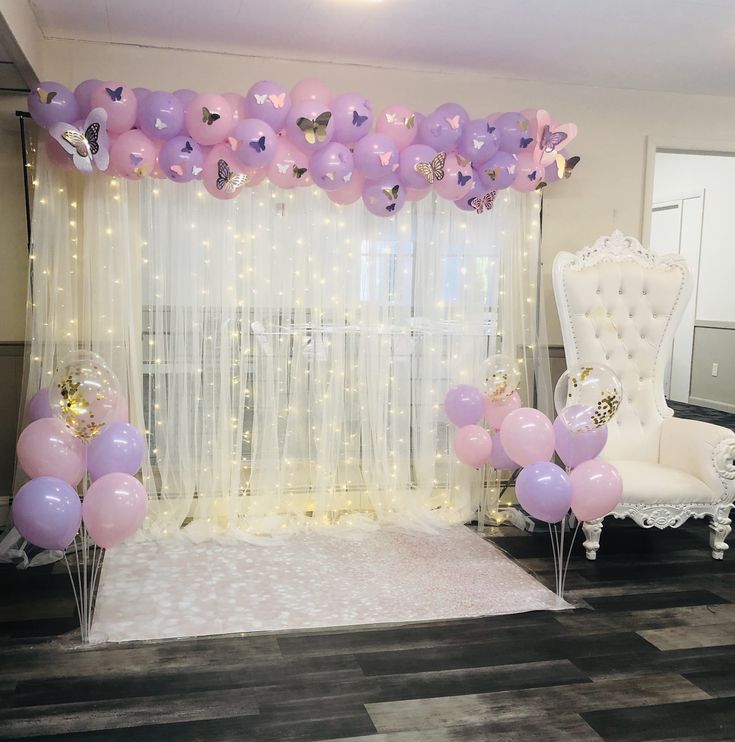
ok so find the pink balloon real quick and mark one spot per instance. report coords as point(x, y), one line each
point(473, 445)
point(57, 154)
point(286, 165)
point(114, 508)
point(157, 172)
point(398, 123)
point(208, 118)
point(597, 488)
point(458, 178)
point(46, 448)
point(269, 102)
point(527, 436)
point(120, 413)
point(528, 174)
point(222, 173)
point(133, 155)
point(349, 192)
point(496, 410)
point(310, 90)
point(120, 103)
point(416, 194)
point(237, 106)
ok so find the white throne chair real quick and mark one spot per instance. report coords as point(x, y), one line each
point(619, 304)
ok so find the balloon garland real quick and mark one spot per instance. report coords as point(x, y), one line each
point(302, 137)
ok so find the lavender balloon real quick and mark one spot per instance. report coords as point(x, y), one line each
point(384, 197)
point(331, 167)
point(269, 102)
point(141, 93)
point(181, 159)
point(450, 110)
point(83, 93)
point(51, 102)
point(440, 131)
point(39, 406)
point(513, 132)
point(409, 158)
point(464, 405)
point(479, 140)
point(353, 117)
point(120, 448)
point(499, 171)
point(478, 190)
point(544, 491)
point(47, 512)
point(255, 143)
point(160, 115)
point(375, 155)
point(185, 96)
point(499, 459)
point(576, 447)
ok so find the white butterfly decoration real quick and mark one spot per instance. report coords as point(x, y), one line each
point(282, 168)
point(89, 147)
point(260, 99)
point(160, 124)
point(477, 143)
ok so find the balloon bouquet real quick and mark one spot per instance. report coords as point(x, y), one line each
point(78, 428)
point(524, 440)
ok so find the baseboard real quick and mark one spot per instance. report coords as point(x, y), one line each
point(712, 404)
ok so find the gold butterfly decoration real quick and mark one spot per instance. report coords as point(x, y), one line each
point(391, 193)
point(228, 180)
point(315, 130)
point(410, 121)
point(461, 161)
point(565, 167)
point(433, 170)
point(523, 124)
point(46, 96)
point(493, 173)
point(298, 172)
point(85, 144)
point(208, 117)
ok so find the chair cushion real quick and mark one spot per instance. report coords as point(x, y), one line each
point(652, 483)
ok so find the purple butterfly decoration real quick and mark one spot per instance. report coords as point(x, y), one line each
point(490, 129)
point(390, 207)
point(550, 140)
point(525, 141)
point(135, 160)
point(258, 144)
point(462, 179)
point(358, 120)
point(115, 94)
point(87, 146)
point(187, 147)
point(532, 176)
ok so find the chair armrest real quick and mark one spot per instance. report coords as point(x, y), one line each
point(703, 450)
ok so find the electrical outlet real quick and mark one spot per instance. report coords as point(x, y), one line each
point(715, 369)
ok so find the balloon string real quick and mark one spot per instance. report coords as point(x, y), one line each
point(73, 587)
point(553, 549)
point(569, 555)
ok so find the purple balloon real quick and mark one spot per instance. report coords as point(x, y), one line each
point(39, 406)
point(160, 115)
point(353, 117)
point(83, 93)
point(141, 93)
point(120, 448)
point(51, 102)
point(479, 140)
point(464, 405)
point(269, 102)
point(499, 459)
point(181, 159)
point(331, 167)
point(575, 448)
point(47, 512)
point(409, 158)
point(499, 171)
point(375, 155)
point(449, 110)
point(437, 130)
point(256, 143)
point(185, 96)
point(544, 491)
point(512, 129)
point(384, 197)
point(477, 191)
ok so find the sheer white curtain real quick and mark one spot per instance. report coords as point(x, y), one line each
point(287, 357)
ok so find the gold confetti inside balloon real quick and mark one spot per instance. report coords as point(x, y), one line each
point(502, 376)
point(84, 393)
point(587, 396)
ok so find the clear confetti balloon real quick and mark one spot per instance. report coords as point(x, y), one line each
point(587, 396)
point(502, 376)
point(84, 394)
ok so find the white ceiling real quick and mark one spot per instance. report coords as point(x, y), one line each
point(672, 45)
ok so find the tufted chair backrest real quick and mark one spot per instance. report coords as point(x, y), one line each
point(619, 304)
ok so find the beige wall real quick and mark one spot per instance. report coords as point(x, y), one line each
point(606, 191)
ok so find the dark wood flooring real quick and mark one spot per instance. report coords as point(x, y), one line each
point(647, 654)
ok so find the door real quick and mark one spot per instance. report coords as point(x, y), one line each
point(676, 227)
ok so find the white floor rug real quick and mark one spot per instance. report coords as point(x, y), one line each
point(165, 590)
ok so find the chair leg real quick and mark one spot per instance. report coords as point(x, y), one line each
point(592, 531)
point(719, 530)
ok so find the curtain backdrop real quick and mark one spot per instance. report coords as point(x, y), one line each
point(286, 357)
